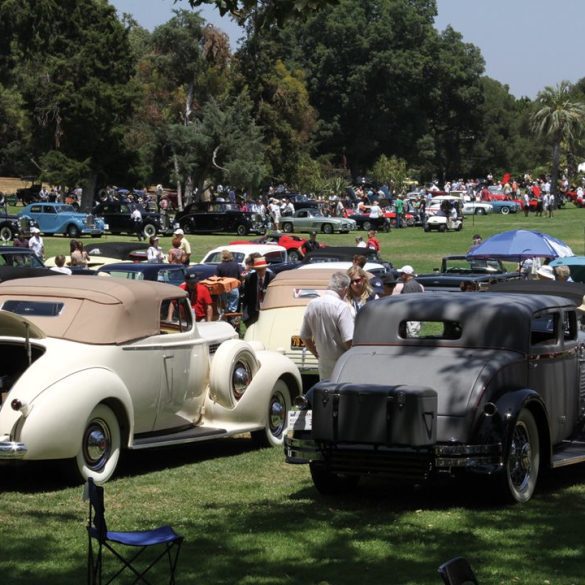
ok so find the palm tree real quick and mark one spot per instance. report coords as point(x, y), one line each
point(559, 117)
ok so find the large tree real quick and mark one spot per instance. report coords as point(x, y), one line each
point(558, 117)
point(72, 66)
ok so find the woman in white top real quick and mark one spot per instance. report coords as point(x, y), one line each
point(154, 254)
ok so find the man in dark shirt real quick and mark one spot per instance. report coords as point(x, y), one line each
point(311, 244)
point(254, 290)
point(228, 267)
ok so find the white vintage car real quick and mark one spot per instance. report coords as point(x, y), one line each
point(92, 366)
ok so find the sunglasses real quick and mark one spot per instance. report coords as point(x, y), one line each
point(357, 280)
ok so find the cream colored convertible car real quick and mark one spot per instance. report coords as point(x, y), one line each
point(92, 366)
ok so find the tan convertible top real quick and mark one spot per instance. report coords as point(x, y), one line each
point(95, 310)
point(292, 288)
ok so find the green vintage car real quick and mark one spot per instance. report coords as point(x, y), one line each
point(308, 220)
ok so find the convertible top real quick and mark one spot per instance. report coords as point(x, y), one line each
point(95, 310)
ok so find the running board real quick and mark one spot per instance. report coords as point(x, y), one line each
point(190, 435)
point(568, 453)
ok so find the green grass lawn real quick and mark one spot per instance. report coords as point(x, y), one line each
point(249, 518)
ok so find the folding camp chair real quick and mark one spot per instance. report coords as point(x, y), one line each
point(457, 571)
point(165, 537)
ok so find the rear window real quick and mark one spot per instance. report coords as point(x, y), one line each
point(34, 308)
point(430, 330)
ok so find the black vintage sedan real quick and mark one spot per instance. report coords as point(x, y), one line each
point(491, 384)
point(204, 217)
point(117, 216)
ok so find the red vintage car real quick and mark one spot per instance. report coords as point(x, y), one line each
point(293, 244)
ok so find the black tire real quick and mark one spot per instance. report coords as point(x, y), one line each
point(242, 230)
point(505, 210)
point(427, 228)
point(328, 483)
point(294, 256)
point(149, 230)
point(277, 417)
point(6, 233)
point(327, 228)
point(480, 211)
point(522, 460)
point(460, 227)
point(100, 446)
point(72, 231)
point(287, 227)
point(442, 228)
point(367, 226)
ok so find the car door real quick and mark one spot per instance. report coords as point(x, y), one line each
point(48, 219)
point(549, 370)
point(184, 367)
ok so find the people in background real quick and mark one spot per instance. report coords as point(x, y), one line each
point(78, 255)
point(183, 244)
point(228, 267)
point(373, 241)
point(175, 255)
point(254, 289)
point(563, 273)
point(199, 297)
point(311, 244)
point(154, 254)
point(60, 265)
point(360, 290)
point(36, 243)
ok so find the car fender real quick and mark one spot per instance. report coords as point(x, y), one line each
point(55, 421)
point(499, 417)
point(251, 409)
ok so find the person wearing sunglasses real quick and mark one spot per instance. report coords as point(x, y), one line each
point(360, 290)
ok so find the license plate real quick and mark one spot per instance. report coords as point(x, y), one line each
point(300, 420)
point(296, 342)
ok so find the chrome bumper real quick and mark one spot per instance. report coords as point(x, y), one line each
point(12, 450)
point(443, 457)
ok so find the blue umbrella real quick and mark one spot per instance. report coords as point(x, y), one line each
point(520, 244)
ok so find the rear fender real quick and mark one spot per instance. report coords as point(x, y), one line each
point(498, 427)
point(56, 419)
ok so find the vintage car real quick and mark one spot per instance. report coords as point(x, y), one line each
point(204, 217)
point(476, 208)
point(365, 222)
point(457, 270)
point(501, 393)
point(93, 366)
point(61, 218)
point(103, 253)
point(12, 226)
point(21, 263)
point(505, 206)
point(273, 253)
point(281, 313)
point(311, 219)
point(159, 272)
point(118, 217)
point(293, 244)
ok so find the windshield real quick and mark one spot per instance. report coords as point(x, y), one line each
point(25, 260)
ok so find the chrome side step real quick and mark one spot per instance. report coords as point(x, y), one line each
point(190, 435)
point(568, 453)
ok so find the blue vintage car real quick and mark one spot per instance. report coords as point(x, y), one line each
point(505, 206)
point(60, 218)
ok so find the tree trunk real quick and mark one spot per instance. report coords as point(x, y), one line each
point(554, 178)
point(88, 193)
point(179, 185)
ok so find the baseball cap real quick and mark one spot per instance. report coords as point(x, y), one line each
point(407, 269)
point(35, 230)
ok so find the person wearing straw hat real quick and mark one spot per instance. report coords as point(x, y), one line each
point(254, 289)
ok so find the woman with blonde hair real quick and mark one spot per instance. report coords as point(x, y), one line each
point(360, 290)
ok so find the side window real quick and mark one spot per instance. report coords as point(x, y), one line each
point(544, 329)
point(176, 316)
point(570, 326)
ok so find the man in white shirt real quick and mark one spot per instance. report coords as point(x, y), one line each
point(36, 243)
point(327, 328)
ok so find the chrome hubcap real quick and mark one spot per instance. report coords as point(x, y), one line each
point(520, 459)
point(277, 414)
point(97, 444)
point(240, 379)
